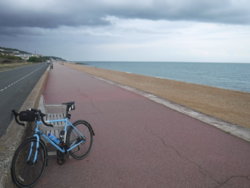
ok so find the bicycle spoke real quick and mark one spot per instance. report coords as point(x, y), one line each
point(81, 136)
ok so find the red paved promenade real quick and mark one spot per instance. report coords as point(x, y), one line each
point(140, 143)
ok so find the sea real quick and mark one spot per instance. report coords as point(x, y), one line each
point(232, 76)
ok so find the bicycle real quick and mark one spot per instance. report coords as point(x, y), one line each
point(31, 156)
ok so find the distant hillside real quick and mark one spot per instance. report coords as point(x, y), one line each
point(12, 55)
point(12, 51)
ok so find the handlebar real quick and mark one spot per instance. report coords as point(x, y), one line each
point(42, 115)
point(29, 116)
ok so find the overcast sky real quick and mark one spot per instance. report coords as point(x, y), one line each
point(135, 30)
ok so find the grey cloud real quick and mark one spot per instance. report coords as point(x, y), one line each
point(222, 11)
point(52, 14)
point(48, 19)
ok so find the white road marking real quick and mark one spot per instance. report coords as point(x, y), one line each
point(19, 80)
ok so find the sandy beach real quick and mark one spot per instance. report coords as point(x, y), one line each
point(230, 106)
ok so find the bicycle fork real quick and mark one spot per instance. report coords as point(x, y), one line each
point(33, 151)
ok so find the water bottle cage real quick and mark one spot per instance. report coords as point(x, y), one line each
point(54, 139)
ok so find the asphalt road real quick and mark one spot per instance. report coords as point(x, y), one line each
point(15, 86)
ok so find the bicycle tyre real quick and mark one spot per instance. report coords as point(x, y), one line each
point(83, 149)
point(26, 173)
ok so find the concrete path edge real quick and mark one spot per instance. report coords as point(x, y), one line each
point(15, 133)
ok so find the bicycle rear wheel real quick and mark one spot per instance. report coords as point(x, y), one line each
point(81, 131)
point(25, 169)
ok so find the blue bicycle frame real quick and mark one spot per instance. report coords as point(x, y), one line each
point(38, 133)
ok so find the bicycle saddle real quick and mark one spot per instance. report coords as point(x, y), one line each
point(70, 106)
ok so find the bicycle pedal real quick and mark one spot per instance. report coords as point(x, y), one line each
point(60, 161)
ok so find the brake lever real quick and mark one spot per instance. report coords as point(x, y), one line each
point(42, 115)
point(12, 115)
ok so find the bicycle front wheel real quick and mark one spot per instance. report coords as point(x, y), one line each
point(82, 133)
point(28, 163)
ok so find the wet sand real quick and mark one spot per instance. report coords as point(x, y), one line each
point(230, 106)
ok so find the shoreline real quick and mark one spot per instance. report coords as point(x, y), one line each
point(163, 78)
point(209, 74)
point(228, 105)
